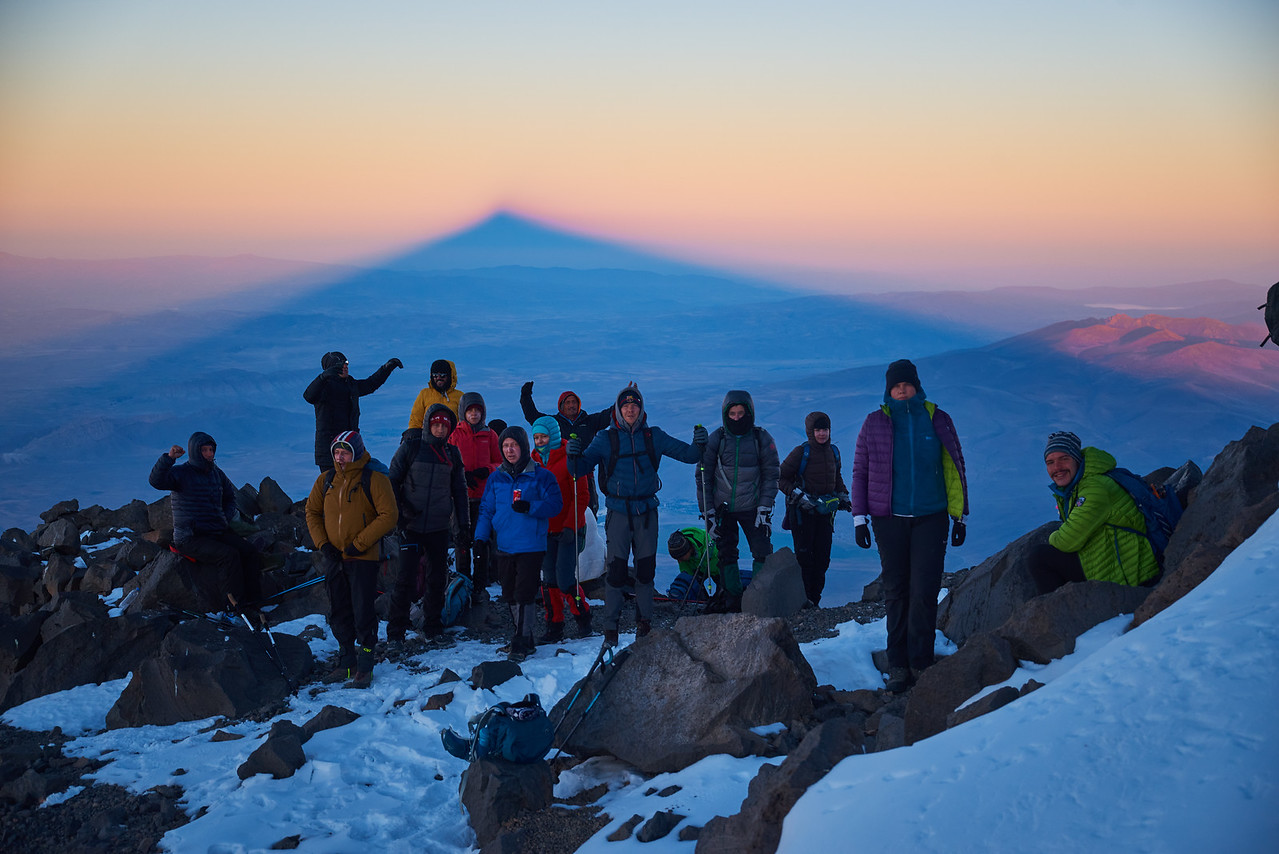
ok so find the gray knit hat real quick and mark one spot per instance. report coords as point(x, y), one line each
point(1065, 442)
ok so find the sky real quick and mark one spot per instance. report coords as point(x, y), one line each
point(1161, 739)
point(975, 144)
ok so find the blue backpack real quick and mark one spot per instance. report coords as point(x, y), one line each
point(1159, 506)
point(457, 598)
point(516, 732)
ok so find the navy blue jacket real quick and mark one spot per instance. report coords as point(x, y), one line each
point(202, 496)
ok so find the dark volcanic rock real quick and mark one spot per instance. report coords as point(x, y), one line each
point(1045, 628)
point(778, 589)
point(988, 593)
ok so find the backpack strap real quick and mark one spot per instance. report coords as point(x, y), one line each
point(366, 481)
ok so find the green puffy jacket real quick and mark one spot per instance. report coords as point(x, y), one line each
point(1093, 517)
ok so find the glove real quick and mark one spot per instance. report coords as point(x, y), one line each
point(804, 500)
point(463, 540)
point(520, 506)
point(393, 364)
point(574, 447)
point(351, 551)
point(958, 533)
point(845, 503)
point(331, 553)
point(764, 518)
point(480, 474)
point(471, 480)
point(335, 371)
point(699, 435)
point(862, 533)
point(526, 390)
point(481, 550)
point(712, 525)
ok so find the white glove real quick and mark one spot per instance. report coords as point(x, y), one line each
point(764, 518)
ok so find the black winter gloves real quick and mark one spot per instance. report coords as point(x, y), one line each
point(393, 364)
point(699, 435)
point(520, 505)
point(862, 533)
point(480, 474)
point(352, 551)
point(845, 503)
point(958, 533)
point(331, 553)
point(462, 540)
point(526, 390)
point(574, 447)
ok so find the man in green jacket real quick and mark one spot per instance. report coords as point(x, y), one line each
point(1102, 533)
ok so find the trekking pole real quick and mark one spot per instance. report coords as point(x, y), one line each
point(614, 664)
point(706, 517)
point(599, 657)
point(577, 521)
point(310, 582)
point(271, 650)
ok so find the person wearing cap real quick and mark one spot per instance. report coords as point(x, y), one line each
point(348, 514)
point(203, 503)
point(908, 476)
point(737, 487)
point(573, 421)
point(426, 474)
point(519, 500)
point(1102, 533)
point(812, 480)
point(441, 389)
point(336, 394)
point(565, 537)
point(630, 451)
point(481, 456)
point(696, 561)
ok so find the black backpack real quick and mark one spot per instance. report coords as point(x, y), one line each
point(615, 453)
point(1271, 306)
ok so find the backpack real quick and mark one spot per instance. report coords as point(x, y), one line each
point(1159, 506)
point(615, 453)
point(457, 598)
point(1271, 305)
point(803, 461)
point(516, 732)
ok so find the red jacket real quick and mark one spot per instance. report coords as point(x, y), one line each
point(479, 449)
point(558, 466)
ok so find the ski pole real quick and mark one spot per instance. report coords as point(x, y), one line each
point(599, 657)
point(614, 664)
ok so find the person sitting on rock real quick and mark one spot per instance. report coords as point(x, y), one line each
point(441, 389)
point(203, 503)
point(349, 511)
point(1102, 533)
point(336, 394)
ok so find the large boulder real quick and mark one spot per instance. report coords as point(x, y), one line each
point(132, 516)
point(494, 792)
point(87, 653)
point(985, 660)
point(18, 588)
point(778, 589)
point(987, 594)
point(19, 640)
point(1045, 628)
point(272, 499)
point(61, 535)
point(1238, 492)
point(171, 581)
point(679, 695)
point(757, 827)
point(204, 670)
point(71, 609)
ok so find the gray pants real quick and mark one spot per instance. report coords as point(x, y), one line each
point(628, 535)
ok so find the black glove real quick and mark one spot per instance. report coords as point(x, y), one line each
point(958, 532)
point(699, 435)
point(463, 540)
point(520, 505)
point(804, 500)
point(862, 533)
point(471, 481)
point(480, 474)
point(526, 390)
point(574, 447)
point(480, 548)
point(393, 364)
point(335, 371)
point(331, 553)
point(845, 503)
point(352, 551)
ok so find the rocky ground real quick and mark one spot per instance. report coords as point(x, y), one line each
point(107, 818)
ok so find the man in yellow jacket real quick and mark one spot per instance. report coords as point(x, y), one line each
point(350, 508)
point(442, 389)
point(1102, 533)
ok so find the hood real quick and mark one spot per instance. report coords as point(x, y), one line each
point(353, 440)
point(473, 398)
point(441, 365)
point(517, 433)
point(565, 395)
point(331, 359)
point(810, 421)
point(551, 427)
point(733, 398)
point(631, 390)
point(197, 441)
point(437, 409)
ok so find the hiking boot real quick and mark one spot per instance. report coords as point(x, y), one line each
point(583, 625)
point(361, 679)
point(610, 637)
point(455, 745)
point(522, 647)
point(643, 627)
point(438, 640)
point(341, 673)
point(898, 679)
point(504, 649)
point(554, 633)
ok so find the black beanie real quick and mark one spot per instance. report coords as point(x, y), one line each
point(821, 421)
point(678, 545)
point(1065, 442)
point(332, 359)
point(902, 371)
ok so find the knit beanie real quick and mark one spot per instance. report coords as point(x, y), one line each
point(630, 394)
point(821, 421)
point(1065, 442)
point(902, 371)
point(332, 359)
point(679, 546)
point(351, 441)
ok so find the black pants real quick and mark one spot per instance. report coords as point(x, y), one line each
point(352, 586)
point(912, 552)
point(519, 575)
point(1051, 568)
point(479, 575)
point(428, 554)
point(233, 558)
point(812, 534)
point(757, 538)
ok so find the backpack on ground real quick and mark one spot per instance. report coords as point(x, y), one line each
point(516, 732)
point(457, 598)
point(1271, 306)
point(1158, 504)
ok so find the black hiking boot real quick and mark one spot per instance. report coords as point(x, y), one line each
point(583, 625)
point(610, 637)
point(554, 633)
point(643, 627)
point(899, 679)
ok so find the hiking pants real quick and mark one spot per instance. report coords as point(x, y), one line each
point(230, 557)
point(1051, 568)
point(812, 534)
point(726, 537)
point(912, 552)
point(427, 554)
point(559, 567)
point(626, 535)
point(519, 575)
point(352, 586)
point(479, 577)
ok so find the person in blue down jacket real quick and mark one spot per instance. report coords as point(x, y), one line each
point(908, 476)
point(203, 502)
point(629, 451)
point(519, 500)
